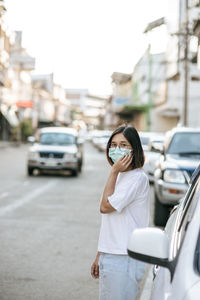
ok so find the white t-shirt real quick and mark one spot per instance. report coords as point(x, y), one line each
point(131, 201)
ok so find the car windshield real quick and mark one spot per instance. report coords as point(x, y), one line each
point(185, 143)
point(56, 138)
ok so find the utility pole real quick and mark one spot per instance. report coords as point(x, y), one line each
point(185, 103)
point(149, 89)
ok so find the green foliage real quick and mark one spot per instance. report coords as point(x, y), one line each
point(14, 133)
point(26, 129)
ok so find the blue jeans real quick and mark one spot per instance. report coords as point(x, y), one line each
point(119, 277)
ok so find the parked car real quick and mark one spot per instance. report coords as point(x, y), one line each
point(100, 139)
point(180, 156)
point(175, 252)
point(55, 148)
point(145, 138)
point(152, 154)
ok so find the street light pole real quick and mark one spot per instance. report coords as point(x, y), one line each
point(185, 103)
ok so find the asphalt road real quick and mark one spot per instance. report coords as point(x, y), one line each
point(49, 229)
point(49, 226)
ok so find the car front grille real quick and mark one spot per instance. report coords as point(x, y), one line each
point(51, 154)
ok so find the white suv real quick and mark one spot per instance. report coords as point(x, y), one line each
point(55, 148)
point(178, 160)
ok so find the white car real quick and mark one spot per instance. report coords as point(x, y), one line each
point(100, 139)
point(55, 148)
point(152, 154)
point(145, 138)
point(175, 251)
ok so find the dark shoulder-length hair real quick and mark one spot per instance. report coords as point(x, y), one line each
point(131, 134)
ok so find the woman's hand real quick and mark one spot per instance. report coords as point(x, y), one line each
point(95, 268)
point(123, 164)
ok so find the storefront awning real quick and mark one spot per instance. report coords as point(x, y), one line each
point(24, 104)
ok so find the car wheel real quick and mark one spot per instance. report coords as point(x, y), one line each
point(161, 212)
point(30, 171)
point(80, 166)
point(74, 173)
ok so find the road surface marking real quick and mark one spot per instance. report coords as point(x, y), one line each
point(27, 198)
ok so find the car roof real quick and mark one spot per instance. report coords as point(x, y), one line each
point(185, 129)
point(58, 130)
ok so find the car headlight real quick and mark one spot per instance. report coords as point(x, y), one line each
point(70, 155)
point(33, 155)
point(174, 176)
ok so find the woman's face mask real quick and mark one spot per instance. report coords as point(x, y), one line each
point(117, 153)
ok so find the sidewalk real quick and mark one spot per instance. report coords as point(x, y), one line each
point(6, 144)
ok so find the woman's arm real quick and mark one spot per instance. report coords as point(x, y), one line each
point(105, 206)
point(120, 166)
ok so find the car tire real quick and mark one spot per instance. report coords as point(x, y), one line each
point(161, 212)
point(30, 171)
point(74, 173)
point(80, 166)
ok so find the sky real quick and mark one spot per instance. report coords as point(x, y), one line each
point(84, 41)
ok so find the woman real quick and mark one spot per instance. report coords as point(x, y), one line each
point(124, 207)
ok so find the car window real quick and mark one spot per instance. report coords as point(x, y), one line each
point(189, 206)
point(55, 138)
point(185, 143)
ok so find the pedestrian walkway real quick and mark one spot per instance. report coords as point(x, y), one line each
point(6, 144)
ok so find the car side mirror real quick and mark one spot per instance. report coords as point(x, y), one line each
point(31, 139)
point(150, 245)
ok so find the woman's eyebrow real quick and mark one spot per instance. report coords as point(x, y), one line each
point(120, 141)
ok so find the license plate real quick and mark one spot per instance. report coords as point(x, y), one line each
point(51, 162)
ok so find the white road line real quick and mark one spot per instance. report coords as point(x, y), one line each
point(27, 198)
point(3, 195)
